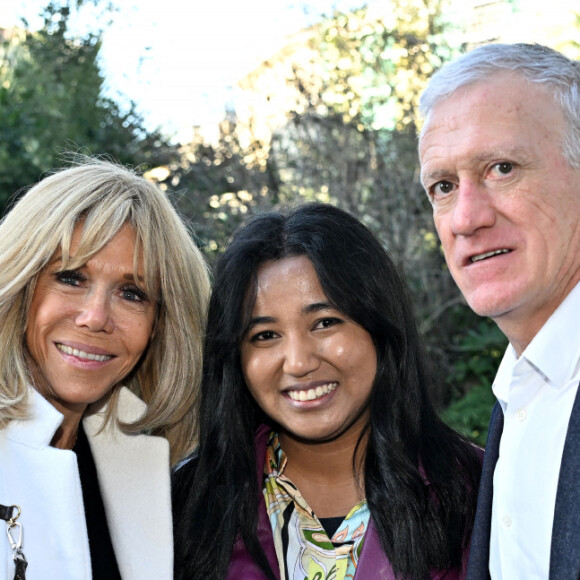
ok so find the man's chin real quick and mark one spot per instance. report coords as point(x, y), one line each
point(489, 306)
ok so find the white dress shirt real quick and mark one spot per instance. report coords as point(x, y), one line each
point(537, 392)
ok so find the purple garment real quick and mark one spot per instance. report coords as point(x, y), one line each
point(373, 563)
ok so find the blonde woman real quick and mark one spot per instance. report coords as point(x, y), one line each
point(102, 309)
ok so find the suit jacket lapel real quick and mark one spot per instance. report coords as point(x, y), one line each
point(478, 568)
point(565, 549)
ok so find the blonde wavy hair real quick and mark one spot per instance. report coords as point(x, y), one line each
point(104, 197)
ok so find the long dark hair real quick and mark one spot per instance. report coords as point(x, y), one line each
point(421, 527)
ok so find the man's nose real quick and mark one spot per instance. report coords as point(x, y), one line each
point(472, 210)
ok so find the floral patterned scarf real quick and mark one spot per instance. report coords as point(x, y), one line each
point(304, 550)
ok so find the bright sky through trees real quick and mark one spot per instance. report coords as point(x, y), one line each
point(180, 61)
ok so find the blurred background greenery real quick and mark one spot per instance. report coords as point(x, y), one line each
point(331, 117)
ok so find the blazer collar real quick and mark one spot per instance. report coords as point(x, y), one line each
point(134, 474)
point(38, 433)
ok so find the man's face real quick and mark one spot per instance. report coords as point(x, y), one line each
point(506, 203)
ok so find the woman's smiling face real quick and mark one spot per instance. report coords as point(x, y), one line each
point(309, 367)
point(87, 328)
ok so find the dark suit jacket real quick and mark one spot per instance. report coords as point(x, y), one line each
point(565, 548)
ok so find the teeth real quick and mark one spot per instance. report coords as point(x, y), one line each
point(488, 255)
point(83, 354)
point(312, 394)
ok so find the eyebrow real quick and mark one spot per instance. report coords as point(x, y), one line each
point(436, 175)
point(257, 320)
point(129, 276)
point(498, 154)
point(317, 307)
point(309, 309)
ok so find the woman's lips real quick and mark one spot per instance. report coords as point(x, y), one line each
point(82, 354)
point(313, 393)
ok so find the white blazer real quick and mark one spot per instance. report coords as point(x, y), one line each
point(134, 479)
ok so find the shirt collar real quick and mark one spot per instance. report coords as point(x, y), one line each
point(553, 352)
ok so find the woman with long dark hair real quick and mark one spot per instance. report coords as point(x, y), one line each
point(320, 454)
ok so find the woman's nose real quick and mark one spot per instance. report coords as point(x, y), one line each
point(301, 356)
point(95, 312)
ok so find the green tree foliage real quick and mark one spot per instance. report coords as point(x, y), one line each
point(478, 353)
point(217, 186)
point(51, 101)
point(349, 136)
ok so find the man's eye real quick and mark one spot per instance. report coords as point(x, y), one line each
point(504, 168)
point(442, 188)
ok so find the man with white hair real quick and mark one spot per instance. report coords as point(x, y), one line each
point(500, 161)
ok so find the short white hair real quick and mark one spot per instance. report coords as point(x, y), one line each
point(536, 63)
